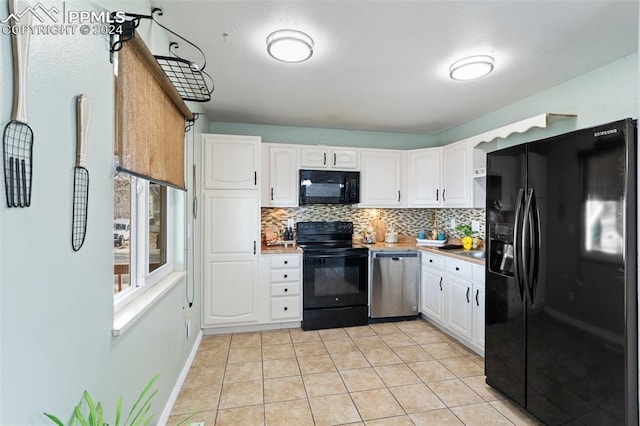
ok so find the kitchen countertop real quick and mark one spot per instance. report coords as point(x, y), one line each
point(280, 249)
point(404, 243)
point(410, 244)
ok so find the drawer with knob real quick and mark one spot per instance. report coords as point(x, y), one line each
point(292, 289)
point(459, 268)
point(285, 275)
point(285, 308)
point(285, 261)
point(432, 261)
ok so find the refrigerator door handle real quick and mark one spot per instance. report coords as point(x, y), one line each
point(516, 249)
point(527, 240)
point(536, 241)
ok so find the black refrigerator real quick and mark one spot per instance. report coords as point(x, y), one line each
point(561, 293)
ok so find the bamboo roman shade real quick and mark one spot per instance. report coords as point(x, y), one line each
point(150, 118)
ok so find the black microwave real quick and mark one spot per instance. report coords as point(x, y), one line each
point(329, 187)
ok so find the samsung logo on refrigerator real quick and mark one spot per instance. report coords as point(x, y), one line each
point(605, 132)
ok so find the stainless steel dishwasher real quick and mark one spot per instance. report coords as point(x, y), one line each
point(395, 283)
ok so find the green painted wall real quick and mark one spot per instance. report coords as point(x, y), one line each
point(605, 94)
point(316, 136)
point(56, 305)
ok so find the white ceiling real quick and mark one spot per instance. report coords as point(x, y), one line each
point(383, 65)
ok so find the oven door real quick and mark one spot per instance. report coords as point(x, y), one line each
point(333, 280)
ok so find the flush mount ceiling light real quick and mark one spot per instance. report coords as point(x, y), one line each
point(289, 46)
point(471, 67)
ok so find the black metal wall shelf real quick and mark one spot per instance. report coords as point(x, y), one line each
point(187, 77)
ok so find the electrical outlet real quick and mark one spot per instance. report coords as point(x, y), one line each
point(453, 223)
point(475, 225)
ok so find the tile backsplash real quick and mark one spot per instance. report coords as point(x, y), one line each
point(404, 221)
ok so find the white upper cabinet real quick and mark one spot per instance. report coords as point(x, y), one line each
point(343, 158)
point(425, 173)
point(231, 162)
point(381, 183)
point(323, 157)
point(280, 171)
point(456, 176)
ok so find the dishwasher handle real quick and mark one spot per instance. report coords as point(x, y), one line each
point(396, 255)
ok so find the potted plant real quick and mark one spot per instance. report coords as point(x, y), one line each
point(139, 415)
point(467, 240)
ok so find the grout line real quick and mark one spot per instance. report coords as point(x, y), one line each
point(351, 339)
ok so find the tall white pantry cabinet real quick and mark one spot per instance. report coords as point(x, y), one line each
point(231, 228)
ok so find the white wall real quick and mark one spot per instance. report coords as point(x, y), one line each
point(56, 305)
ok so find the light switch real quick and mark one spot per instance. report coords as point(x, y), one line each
point(475, 225)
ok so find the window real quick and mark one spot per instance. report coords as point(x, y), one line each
point(142, 234)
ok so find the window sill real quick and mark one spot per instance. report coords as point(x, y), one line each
point(132, 311)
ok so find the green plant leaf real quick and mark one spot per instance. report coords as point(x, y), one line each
point(99, 415)
point(54, 419)
point(92, 409)
point(186, 419)
point(139, 417)
point(118, 411)
point(79, 416)
point(465, 229)
point(140, 398)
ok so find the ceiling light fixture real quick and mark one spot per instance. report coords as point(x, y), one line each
point(471, 67)
point(289, 46)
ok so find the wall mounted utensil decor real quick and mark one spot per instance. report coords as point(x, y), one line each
point(81, 174)
point(17, 149)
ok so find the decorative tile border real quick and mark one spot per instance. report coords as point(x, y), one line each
point(404, 221)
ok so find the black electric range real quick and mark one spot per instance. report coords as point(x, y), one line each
point(335, 276)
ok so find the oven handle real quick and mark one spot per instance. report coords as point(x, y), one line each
point(336, 255)
point(344, 308)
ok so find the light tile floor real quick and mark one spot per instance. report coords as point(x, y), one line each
point(398, 373)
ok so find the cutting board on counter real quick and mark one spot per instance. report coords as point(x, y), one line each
point(380, 229)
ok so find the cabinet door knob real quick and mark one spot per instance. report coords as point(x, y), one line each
point(286, 262)
point(477, 294)
point(430, 260)
point(285, 308)
point(285, 275)
point(467, 294)
point(286, 290)
point(440, 283)
point(457, 269)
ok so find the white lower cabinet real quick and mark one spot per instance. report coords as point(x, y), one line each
point(432, 291)
point(281, 276)
point(478, 306)
point(452, 297)
point(458, 311)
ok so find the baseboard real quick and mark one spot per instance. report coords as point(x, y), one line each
point(164, 417)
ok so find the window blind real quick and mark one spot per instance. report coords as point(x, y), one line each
point(150, 118)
